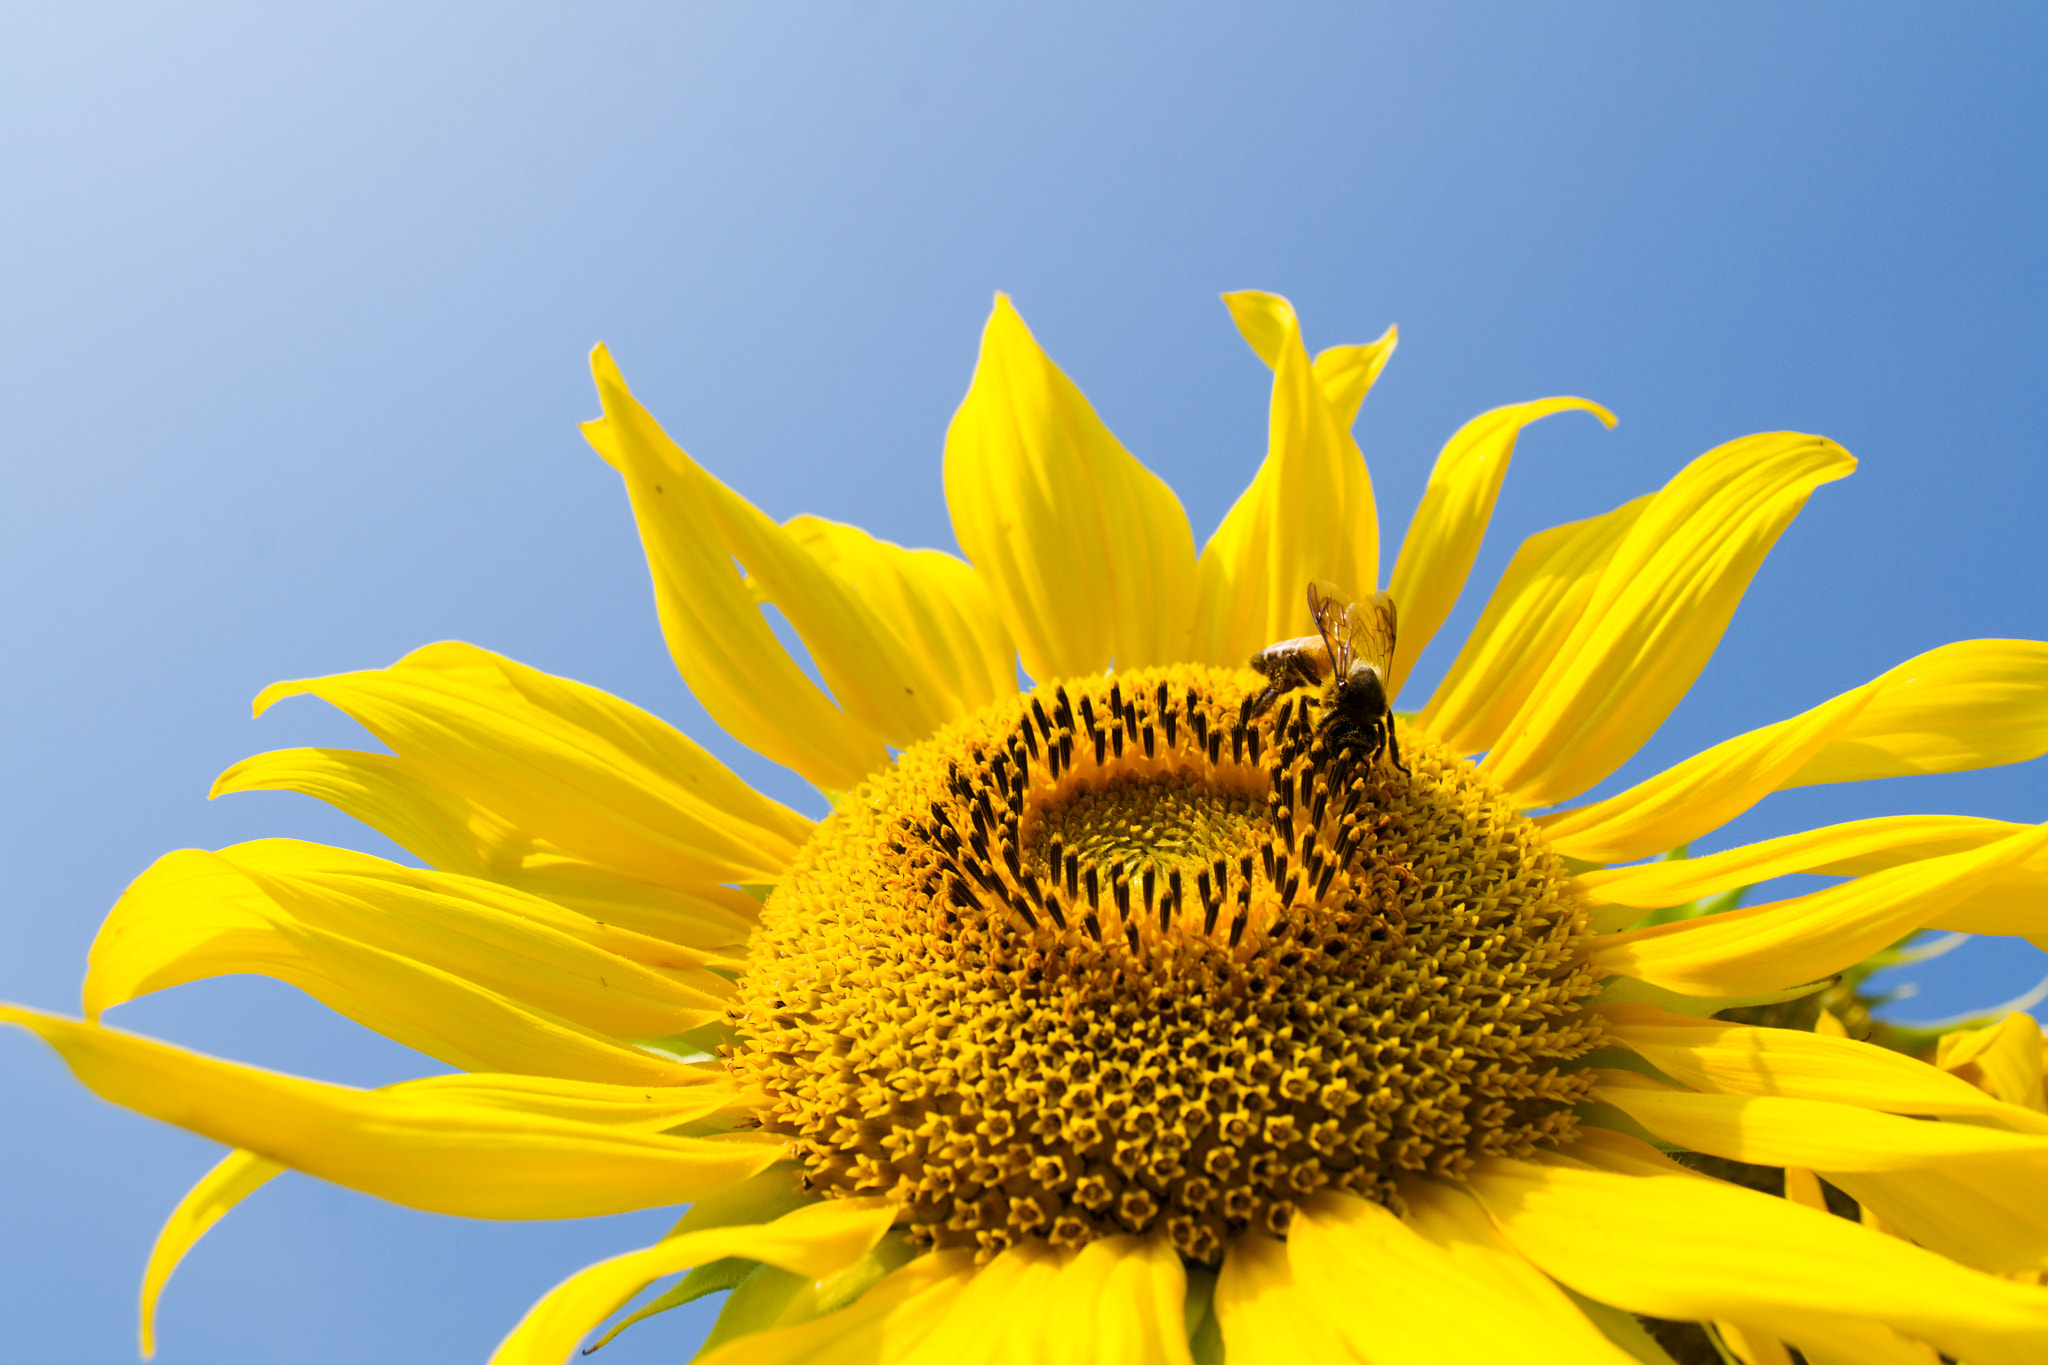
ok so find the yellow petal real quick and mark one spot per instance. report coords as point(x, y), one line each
point(1536, 606)
point(1966, 705)
point(1973, 704)
point(1844, 850)
point(1984, 1214)
point(693, 528)
point(1856, 1343)
point(424, 1150)
point(885, 1326)
point(937, 606)
point(448, 830)
point(1680, 1247)
point(1653, 619)
point(1786, 943)
point(1347, 373)
point(813, 1241)
point(475, 974)
point(1703, 793)
point(1268, 1315)
point(1086, 553)
point(1308, 514)
point(1753, 1346)
point(570, 768)
point(238, 1175)
point(699, 1094)
point(1118, 1298)
point(1444, 535)
point(1443, 1289)
point(1772, 1130)
point(1712, 1054)
point(2003, 1059)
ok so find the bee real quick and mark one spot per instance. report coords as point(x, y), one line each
point(1349, 657)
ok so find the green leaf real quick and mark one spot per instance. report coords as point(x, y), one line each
point(704, 1279)
point(761, 1199)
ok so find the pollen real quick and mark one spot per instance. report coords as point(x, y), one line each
point(1122, 955)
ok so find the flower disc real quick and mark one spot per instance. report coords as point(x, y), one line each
point(1123, 955)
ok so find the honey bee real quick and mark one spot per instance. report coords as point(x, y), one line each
point(1349, 657)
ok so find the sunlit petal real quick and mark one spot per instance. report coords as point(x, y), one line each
point(1086, 553)
point(428, 1151)
point(1658, 610)
point(1444, 535)
point(693, 528)
point(1308, 515)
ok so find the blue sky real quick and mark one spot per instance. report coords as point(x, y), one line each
point(294, 308)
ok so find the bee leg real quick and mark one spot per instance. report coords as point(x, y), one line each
point(1394, 745)
point(1264, 701)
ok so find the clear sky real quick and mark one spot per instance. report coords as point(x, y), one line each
point(294, 308)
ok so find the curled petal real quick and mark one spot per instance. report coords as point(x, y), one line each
point(1443, 538)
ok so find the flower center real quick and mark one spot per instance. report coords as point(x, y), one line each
point(1124, 955)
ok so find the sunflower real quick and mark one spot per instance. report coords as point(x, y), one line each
point(1152, 1011)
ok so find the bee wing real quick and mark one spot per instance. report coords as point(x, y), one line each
point(1332, 613)
point(1372, 632)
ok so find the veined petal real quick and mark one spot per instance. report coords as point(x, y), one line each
point(1701, 794)
point(1973, 704)
point(424, 1150)
point(1845, 850)
point(238, 1175)
point(1967, 705)
point(1774, 1130)
point(814, 1241)
point(938, 607)
point(1712, 1054)
point(1268, 1315)
point(476, 974)
point(1442, 1289)
point(1308, 514)
point(693, 528)
point(1538, 603)
point(570, 768)
point(884, 1326)
point(1118, 1298)
point(1677, 1246)
point(448, 830)
point(1653, 619)
point(698, 1093)
point(1764, 947)
point(1086, 552)
point(1443, 538)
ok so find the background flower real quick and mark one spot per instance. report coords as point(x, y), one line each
point(293, 328)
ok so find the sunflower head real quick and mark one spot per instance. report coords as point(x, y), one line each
point(1122, 955)
point(1188, 1005)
